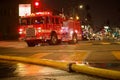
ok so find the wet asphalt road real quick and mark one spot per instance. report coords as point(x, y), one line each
point(20, 71)
point(83, 52)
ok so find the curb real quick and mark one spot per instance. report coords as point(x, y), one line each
point(110, 74)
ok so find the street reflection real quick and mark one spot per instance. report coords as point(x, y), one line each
point(7, 69)
point(110, 66)
point(11, 69)
point(27, 69)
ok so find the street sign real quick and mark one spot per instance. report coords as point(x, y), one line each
point(24, 9)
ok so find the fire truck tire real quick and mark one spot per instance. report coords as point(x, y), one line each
point(74, 39)
point(54, 39)
point(30, 43)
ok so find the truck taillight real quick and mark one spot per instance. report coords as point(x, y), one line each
point(20, 31)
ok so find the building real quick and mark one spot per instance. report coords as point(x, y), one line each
point(9, 18)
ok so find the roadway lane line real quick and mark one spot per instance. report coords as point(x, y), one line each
point(101, 43)
point(105, 43)
point(14, 44)
point(116, 54)
point(68, 56)
point(79, 57)
point(40, 55)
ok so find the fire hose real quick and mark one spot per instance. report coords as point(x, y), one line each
point(81, 68)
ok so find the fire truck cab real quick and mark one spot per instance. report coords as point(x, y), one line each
point(44, 27)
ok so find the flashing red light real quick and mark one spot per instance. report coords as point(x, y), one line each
point(37, 4)
point(43, 13)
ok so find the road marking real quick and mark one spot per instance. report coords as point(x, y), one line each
point(68, 56)
point(40, 55)
point(78, 56)
point(86, 44)
point(101, 43)
point(105, 43)
point(14, 44)
point(116, 54)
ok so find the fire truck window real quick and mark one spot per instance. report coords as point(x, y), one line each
point(47, 19)
point(38, 20)
point(53, 20)
point(56, 20)
point(42, 20)
point(25, 21)
point(65, 24)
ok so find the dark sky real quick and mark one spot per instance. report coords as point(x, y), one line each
point(104, 10)
point(100, 10)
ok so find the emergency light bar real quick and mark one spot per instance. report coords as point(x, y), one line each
point(44, 13)
point(38, 13)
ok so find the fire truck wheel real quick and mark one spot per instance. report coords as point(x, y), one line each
point(30, 43)
point(74, 39)
point(54, 39)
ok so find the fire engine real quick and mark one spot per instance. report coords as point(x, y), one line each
point(43, 27)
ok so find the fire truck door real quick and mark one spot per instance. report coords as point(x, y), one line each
point(48, 25)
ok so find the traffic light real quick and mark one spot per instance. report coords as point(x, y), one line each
point(37, 4)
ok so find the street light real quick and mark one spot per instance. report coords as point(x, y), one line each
point(77, 18)
point(81, 6)
point(75, 9)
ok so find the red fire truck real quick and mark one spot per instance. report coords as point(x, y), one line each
point(44, 27)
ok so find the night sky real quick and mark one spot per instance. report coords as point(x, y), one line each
point(101, 11)
point(104, 10)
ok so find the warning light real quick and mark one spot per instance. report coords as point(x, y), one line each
point(37, 4)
